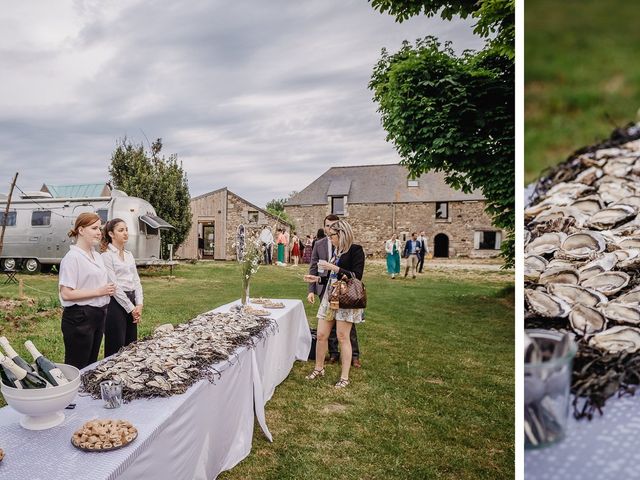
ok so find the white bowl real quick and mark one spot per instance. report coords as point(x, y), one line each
point(42, 407)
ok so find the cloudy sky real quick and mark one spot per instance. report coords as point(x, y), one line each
point(260, 97)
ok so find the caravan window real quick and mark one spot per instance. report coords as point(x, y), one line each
point(11, 219)
point(103, 213)
point(146, 229)
point(41, 218)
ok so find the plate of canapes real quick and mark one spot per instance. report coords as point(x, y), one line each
point(256, 311)
point(104, 435)
point(272, 304)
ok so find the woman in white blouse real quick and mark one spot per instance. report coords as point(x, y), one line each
point(125, 309)
point(85, 291)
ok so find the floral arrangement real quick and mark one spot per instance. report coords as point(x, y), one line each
point(249, 252)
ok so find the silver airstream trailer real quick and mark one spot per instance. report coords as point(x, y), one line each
point(37, 225)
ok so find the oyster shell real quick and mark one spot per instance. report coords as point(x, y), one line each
point(630, 298)
point(617, 339)
point(576, 294)
point(602, 264)
point(582, 244)
point(622, 313)
point(589, 205)
point(611, 216)
point(560, 275)
point(608, 283)
point(586, 320)
point(545, 243)
point(546, 305)
point(555, 213)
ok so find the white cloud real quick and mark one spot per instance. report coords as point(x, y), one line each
point(261, 97)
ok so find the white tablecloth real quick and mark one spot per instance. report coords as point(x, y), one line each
point(601, 449)
point(196, 435)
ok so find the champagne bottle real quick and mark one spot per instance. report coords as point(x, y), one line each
point(46, 368)
point(7, 377)
point(27, 379)
point(11, 353)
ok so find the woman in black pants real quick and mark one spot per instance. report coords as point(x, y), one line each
point(125, 308)
point(84, 293)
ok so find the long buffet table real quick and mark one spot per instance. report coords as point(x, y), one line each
point(195, 435)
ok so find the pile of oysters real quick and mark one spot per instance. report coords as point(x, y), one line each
point(582, 249)
point(174, 358)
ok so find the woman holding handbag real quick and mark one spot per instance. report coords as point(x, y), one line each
point(347, 261)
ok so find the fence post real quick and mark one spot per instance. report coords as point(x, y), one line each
point(21, 288)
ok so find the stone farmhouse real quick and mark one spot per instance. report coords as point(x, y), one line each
point(380, 199)
point(216, 217)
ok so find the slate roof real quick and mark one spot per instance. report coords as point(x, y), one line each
point(87, 190)
point(379, 184)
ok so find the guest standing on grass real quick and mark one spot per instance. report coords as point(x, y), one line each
point(280, 240)
point(347, 260)
point(306, 251)
point(411, 252)
point(125, 308)
point(266, 240)
point(85, 290)
point(424, 250)
point(295, 248)
point(392, 247)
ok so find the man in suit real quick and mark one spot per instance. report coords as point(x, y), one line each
point(323, 250)
point(411, 252)
point(424, 249)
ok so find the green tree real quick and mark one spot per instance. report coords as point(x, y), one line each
point(455, 114)
point(276, 208)
point(159, 180)
point(495, 17)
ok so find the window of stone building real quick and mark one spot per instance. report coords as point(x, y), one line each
point(252, 216)
point(337, 205)
point(487, 240)
point(412, 183)
point(442, 210)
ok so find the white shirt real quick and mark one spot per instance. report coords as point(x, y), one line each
point(266, 236)
point(125, 276)
point(425, 247)
point(79, 270)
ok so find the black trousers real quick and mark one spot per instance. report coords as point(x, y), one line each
point(267, 254)
point(420, 261)
point(333, 342)
point(119, 330)
point(82, 330)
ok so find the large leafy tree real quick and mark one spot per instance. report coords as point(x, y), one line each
point(159, 180)
point(453, 113)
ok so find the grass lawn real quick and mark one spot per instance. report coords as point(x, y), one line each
point(434, 399)
point(580, 70)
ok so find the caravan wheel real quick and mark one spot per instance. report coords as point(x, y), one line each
point(32, 265)
point(8, 264)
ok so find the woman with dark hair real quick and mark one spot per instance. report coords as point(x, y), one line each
point(125, 308)
point(320, 234)
point(306, 251)
point(347, 260)
point(85, 291)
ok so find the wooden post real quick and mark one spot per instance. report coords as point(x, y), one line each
point(6, 211)
point(20, 288)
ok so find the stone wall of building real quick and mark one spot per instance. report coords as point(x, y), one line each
point(239, 211)
point(374, 223)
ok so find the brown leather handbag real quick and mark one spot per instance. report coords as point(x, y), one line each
point(349, 293)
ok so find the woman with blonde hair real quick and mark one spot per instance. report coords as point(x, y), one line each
point(125, 308)
point(85, 289)
point(347, 260)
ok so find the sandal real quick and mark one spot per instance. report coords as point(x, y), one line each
point(342, 383)
point(315, 374)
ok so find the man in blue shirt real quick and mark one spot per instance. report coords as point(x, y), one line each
point(411, 251)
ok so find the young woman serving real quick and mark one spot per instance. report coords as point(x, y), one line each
point(125, 308)
point(85, 292)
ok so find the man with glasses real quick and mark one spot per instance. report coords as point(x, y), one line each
point(324, 250)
